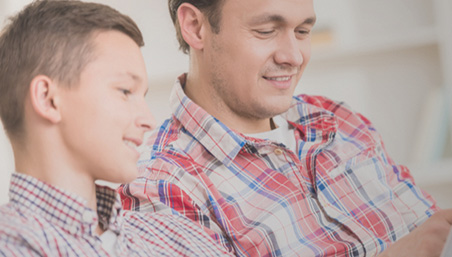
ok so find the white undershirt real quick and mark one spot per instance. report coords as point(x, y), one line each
point(108, 239)
point(282, 134)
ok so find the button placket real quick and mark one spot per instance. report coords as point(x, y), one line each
point(73, 230)
point(87, 217)
point(278, 151)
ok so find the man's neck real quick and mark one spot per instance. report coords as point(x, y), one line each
point(198, 90)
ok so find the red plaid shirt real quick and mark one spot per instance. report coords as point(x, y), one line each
point(339, 194)
point(41, 220)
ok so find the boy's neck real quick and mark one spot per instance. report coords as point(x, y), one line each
point(50, 166)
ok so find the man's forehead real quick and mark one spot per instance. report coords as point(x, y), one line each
point(260, 11)
point(277, 18)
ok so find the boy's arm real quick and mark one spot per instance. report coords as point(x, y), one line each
point(9, 249)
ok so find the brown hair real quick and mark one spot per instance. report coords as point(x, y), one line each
point(210, 8)
point(52, 38)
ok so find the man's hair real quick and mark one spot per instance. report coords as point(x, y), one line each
point(52, 38)
point(210, 8)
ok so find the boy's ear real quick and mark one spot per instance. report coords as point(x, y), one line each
point(43, 94)
point(192, 25)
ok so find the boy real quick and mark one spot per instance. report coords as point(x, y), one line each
point(72, 87)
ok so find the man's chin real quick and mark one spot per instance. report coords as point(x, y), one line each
point(280, 105)
point(274, 110)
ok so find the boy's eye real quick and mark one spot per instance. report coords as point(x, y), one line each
point(125, 91)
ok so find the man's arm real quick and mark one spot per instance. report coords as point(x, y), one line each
point(163, 187)
point(426, 240)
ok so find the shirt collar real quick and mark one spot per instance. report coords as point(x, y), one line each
point(64, 209)
point(312, 121)
point(219, 140)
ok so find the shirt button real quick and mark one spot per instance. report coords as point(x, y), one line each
point(87, 217)
point(278, 151)
point(73, 230)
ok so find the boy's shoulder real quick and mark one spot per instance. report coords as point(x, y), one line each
point(21, 230)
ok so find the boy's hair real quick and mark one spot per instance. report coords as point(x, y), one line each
point(210, 8)
point(52, 38)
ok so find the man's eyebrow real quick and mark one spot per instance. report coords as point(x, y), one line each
point(310, 21)
point(275, 18)
point(262, 19)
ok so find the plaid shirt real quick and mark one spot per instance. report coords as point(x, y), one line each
point(41, 220)
point(339, 194)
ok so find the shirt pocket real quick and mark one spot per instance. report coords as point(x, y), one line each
point(361, 188)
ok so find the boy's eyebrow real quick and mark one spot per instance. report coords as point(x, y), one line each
point(137, 79)
point(275, 18)
point(134, 77)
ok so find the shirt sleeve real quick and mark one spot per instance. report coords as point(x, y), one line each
point(168, 186)
point(12, 242)
point(171, 234)
point(415, 204)
point(8, 249)
point(382, 185)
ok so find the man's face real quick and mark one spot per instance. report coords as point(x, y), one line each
point(259, 55)
point(105, 116)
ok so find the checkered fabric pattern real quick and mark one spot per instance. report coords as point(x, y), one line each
point(42, 220)
point(339, 194)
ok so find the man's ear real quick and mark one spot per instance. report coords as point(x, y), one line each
point(192, 24)
point(43, 94)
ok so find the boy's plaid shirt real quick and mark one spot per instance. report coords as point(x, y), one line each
point(340, 194)
point(42, 220)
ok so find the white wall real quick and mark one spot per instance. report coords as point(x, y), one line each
point(6, 155)
point(163, 60)
point(6, 165)
point(383, 83)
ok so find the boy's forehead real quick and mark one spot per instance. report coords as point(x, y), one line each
point(116, 57)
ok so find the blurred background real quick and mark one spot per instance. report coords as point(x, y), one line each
point(390, 60)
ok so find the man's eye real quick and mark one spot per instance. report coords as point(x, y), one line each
point(264, 32)
point(303, 32)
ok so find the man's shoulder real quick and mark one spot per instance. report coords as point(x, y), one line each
point(346, 118)
point(169, 148)
point(324, 103)
point(167, 139)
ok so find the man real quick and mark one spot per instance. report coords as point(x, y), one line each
point(277, 175)
point(72, 87)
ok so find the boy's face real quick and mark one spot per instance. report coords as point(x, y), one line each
point(105, 116)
